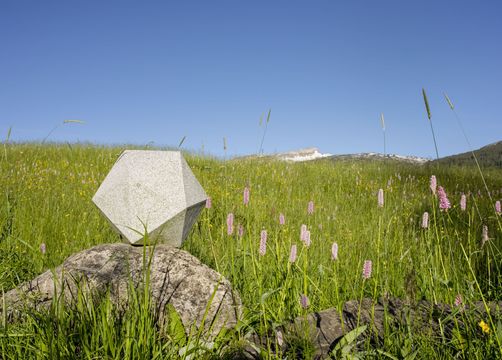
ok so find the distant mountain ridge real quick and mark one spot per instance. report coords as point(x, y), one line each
point(488, 156)
point(378, 156)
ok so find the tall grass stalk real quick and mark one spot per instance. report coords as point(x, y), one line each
point(459, 122)
point(427, 108)
point(260, 150)
point(382, 121)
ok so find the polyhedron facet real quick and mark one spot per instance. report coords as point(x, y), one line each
point(152, 192)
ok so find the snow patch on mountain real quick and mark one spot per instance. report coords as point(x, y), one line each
point(410, 159)
point(302, 155)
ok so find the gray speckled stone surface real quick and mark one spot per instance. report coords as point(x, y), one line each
point(177, 278)
point(154, 191)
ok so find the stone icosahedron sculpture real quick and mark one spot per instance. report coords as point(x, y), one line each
point(152, 192)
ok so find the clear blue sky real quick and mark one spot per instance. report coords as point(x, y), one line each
point(142, 71)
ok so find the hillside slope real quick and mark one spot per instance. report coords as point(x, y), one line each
point(488, 156)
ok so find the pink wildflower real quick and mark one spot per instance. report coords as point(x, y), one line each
point(367, 269)
point(43, 248)
point(334, 251)
point(307, 238)
point(458, 300)
point(444, 203)
point(310, 208)
point(425, 220)
point(282, 219)
point(292, 254)
point(498, 208)
point(246, 195)
point(240, 230)
point(303, 229)
point(463, 202)
point(433, 184)
point(304, 301)
point(484, 236)
point(380, 198)
point(208, 203)
point(230, 224)
point(263, 242)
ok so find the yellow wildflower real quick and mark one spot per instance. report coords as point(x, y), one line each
point(484, 326)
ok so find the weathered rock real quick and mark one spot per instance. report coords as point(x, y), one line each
point(152, 192)
point(326, 328)
point(176, 277)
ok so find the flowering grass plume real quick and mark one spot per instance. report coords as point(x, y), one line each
point(498, 208)
point(433, 184)
point(282, 219)
point(230, 224)
point(292, 254)
point(246, 196)
point(334, 251)
point(310, 207)
point(367, 269)
point(304, 301)
point(380, 198)
point(484, 235)
point(463, 202)
point(263, 242)
point(444, 203)
point(208, 203)
point(425, 220)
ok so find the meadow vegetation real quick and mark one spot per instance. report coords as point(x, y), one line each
point(46, 214)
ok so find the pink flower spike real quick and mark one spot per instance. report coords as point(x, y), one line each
point(334, 251)
point(425, 220)
point(240, 230)
point(246, 196)
point(310, 208)
point(208, 203)
point(303, 230)
point(484, 236)
point(458, 300)
point(282, 219)
point(307, 238)
point(43, 248)
point(498, 208)
point(433, 184)
point(463, 202)
point(230, 224)
point(380, 198)
point(292, 254)
point(367, 269)
point(304, 301)
point(444, 203)
point(263, 242)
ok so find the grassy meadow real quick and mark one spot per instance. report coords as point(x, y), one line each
point(46, 193)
